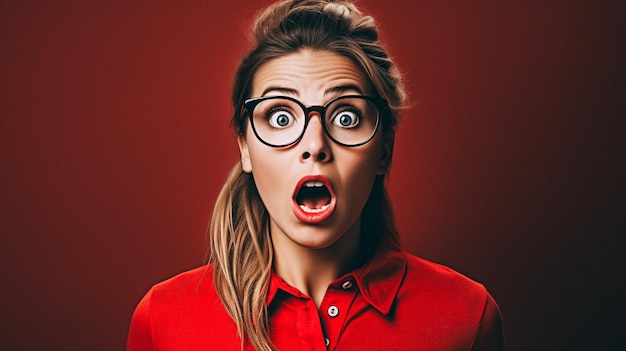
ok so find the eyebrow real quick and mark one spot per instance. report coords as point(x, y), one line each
point(344, 88)
point(333, 90)
point(282, 90)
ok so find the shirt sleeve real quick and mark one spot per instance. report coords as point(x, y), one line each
point(489, 336)
point(140, 333)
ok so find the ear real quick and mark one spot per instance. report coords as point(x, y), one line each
point(246, 165)
point(386, 152)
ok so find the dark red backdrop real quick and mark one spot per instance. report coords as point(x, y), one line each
point(114, 143)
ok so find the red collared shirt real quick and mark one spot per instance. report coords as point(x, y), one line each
point(395, 302)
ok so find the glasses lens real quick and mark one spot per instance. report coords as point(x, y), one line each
point(278, 121)
point(351, 120)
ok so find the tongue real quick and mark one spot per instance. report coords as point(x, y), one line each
point(314, 203)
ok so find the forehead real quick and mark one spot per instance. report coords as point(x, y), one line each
point(310, 72)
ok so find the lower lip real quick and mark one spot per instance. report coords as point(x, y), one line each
point(314, 218)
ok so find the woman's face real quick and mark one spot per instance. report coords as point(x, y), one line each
point(315, 189)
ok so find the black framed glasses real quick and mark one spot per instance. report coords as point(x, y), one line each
point(280, 121)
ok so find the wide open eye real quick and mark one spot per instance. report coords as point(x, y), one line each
point(346, 118)
point(279, 118)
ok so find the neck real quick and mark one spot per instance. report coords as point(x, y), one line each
point(312, 270)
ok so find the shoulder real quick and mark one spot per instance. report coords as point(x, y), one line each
point(445, 309)
point(183, 312)
point(183, 289)
point(436, 278)
point(450, 301)
point(443, 287)
point(195, 281)
point(186, 292)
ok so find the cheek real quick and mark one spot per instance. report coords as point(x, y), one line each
point(262, 165)
point(269, 176)
point(368, 158)
point(259, 154)
point(360, 171)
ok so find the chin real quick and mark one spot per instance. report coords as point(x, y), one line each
point(315, 240)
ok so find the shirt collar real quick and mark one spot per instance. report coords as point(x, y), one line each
point(378, 280)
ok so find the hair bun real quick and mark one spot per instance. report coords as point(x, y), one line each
point(278, 15)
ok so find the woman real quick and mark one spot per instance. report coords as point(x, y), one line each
point(304, 251)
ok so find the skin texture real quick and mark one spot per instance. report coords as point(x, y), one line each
point(310, 256)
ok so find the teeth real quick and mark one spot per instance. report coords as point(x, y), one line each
point(305, 208)
point(312, 184)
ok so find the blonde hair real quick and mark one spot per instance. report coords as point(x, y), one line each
point(241, 249)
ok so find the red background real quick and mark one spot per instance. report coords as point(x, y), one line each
point(114, 143)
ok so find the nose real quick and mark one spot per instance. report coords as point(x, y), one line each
point(314, 143)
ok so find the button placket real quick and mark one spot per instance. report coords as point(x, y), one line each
point(335, 308)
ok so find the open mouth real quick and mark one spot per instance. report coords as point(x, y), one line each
point(313, 200)
point(313, 197)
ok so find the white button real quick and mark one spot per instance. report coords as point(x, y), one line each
point(346, 285)
point(327, 341)
point(333, 311)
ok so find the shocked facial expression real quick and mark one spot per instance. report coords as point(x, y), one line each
point(315, 189)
